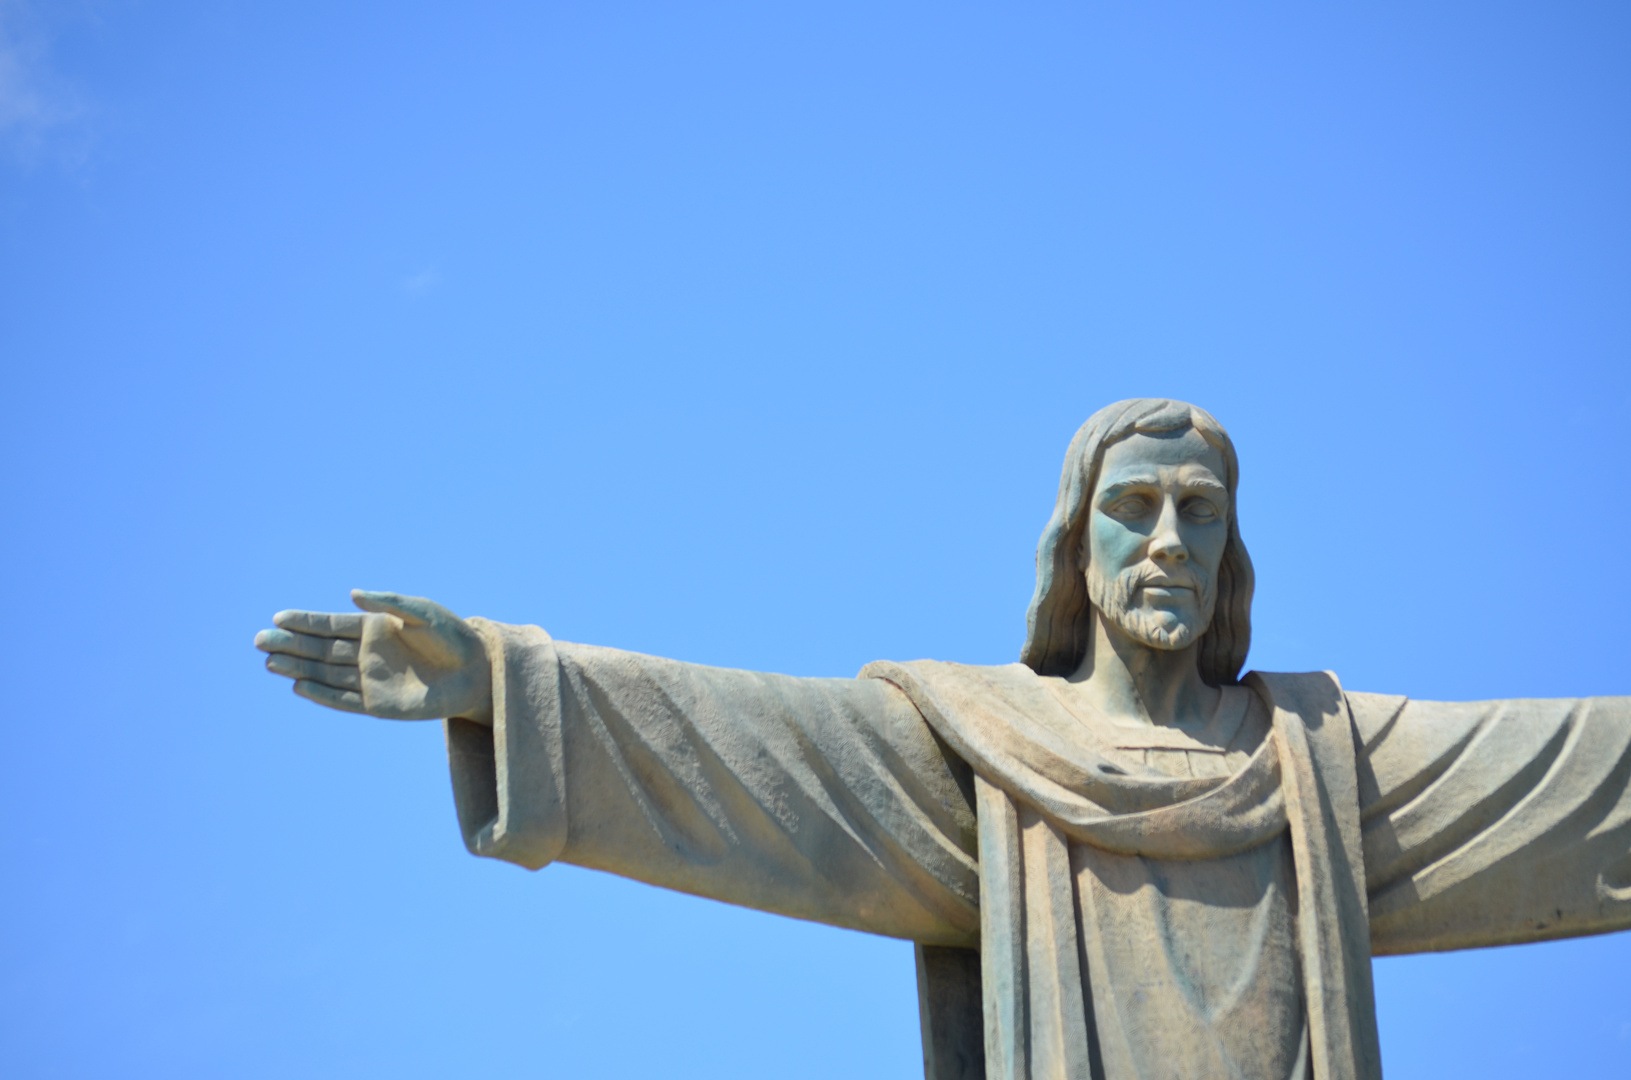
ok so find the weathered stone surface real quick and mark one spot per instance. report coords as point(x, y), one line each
point(1169, 870)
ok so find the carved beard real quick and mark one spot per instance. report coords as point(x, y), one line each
point(1114, 597)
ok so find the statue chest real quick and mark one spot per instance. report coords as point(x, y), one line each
point(1192, 967)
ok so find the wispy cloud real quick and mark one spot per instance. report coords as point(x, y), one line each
point(40, 114)
point(422, 282)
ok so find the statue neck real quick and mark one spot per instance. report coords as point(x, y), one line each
point(1133, 683)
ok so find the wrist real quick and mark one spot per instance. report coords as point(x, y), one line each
point(478, 705)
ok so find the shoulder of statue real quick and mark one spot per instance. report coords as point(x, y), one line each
point(1306, 693)
point(954, 696)
point(939, 672)
point(1317, 698)
point(1314, 691)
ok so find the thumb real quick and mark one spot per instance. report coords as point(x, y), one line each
point(412, 610)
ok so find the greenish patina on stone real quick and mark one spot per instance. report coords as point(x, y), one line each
point(1119, 858)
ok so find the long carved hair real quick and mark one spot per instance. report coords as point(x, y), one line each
point(1059, 625)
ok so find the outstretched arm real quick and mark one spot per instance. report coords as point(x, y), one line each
point(824, 799)
point(1494, 822)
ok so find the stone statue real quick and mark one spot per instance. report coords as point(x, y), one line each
point(1118, 858)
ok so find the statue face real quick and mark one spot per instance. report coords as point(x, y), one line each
point(1155, 537)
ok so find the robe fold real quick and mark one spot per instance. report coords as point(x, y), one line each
point(1147, 902)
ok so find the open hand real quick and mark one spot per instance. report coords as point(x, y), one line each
point(408, 659)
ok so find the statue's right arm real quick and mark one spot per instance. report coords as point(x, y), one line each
point(824, 799)
point(407, 658)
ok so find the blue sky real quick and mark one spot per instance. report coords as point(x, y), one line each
point(749, 335)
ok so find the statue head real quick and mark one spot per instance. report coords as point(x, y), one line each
point(1156, 435)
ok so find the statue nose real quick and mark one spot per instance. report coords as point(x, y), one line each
point(1166, 544)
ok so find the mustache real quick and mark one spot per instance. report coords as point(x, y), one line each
point(1130, 580)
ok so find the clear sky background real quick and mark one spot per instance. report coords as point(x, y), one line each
point(748, 334)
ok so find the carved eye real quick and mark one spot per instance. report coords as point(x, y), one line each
point(1200, 510)
point(1131, 506)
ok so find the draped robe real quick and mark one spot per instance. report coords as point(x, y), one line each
point(1146, 902)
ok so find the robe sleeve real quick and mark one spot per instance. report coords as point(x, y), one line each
point(1493, 822)
point(823, 799)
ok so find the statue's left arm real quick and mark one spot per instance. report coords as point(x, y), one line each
point(1493, 822)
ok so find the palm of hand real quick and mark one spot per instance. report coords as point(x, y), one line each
point(407, 659)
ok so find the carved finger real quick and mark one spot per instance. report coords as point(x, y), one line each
point(339, 676)
point(344, 700)
point(412, 610)
point(321, 623)
point(330, 650)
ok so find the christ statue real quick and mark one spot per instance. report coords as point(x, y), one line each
point(1119, 857)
